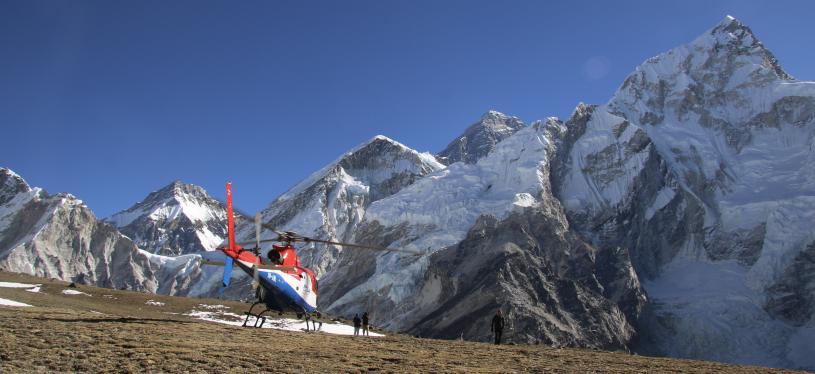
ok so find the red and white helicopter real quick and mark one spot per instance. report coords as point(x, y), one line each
point(280, 282)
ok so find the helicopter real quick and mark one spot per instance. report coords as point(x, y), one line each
point(281, 283)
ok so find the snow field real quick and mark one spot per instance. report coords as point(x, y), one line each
point(287, 324)
point(7, 302)
point(74, 292)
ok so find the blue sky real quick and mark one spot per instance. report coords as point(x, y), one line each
point(110, 100)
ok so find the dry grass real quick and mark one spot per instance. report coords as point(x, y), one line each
point(120, 333)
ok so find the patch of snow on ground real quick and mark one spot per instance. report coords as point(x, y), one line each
point(17, 285)
point(154, 303)
point(7, 302)
point(213, 307)
point(34, 289)
point(74, 292)
point(287, 324)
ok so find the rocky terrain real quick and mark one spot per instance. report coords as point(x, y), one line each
point(104, 330)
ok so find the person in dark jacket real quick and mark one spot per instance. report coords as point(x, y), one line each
point(365, 324)
point(497, 326)
point(357, 323)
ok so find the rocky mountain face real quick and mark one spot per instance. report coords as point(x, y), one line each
point(175, 220)
point(492, 236)
point(555, 288)
point(695, 179)
point(480, 138)
point(57, 236)
point(702, 166)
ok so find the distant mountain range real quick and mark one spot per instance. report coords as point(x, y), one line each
point(676, 220)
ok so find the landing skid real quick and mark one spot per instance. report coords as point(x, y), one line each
point(259, 318)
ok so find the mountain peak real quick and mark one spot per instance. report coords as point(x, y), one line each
point(493, 114)
point(733, 36)
point(177, 193)
point(378, 139)
point(731, 27)
point(726, 60)
point(370, 155)
point(382, 137)
point(11, 181)
point(380, 145)
point(175, 190)
point(727, 21)
point(481, 137)
point(11, 184)
point(175, 219)
point(730, 30)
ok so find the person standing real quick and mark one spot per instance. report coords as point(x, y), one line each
point(357, 323)
point(497, 326)
point(365, 324)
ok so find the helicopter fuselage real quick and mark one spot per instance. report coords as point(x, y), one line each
point(286, 286)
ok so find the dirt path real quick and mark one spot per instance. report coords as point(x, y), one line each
point(120, 333)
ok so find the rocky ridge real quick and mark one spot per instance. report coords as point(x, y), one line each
point(174, 220)
point(480, 138)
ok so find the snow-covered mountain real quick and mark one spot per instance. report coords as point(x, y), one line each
point(57, 236)
point(177, 219)
point(330, 203)
point(696, 176)
point(493, 236)
point(480, 138)
point(702, 165)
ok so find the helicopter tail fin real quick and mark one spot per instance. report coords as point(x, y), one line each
point(230, 216)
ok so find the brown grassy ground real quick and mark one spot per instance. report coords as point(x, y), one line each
point(119, 333)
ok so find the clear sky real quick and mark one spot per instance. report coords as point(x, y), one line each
point(110, 100)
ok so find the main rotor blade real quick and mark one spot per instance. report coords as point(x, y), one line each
point(264, 225)
point(359, 246)
point(257, 229)
point(246, 244)
point(255, 277)
point(211, 262)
